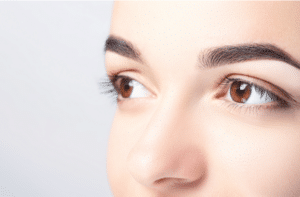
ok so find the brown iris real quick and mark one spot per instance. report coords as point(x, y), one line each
point(240, 91)
point(125, 89)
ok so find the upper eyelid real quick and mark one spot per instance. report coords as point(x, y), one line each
point(251, 83)
point(114, 78)
point(257, 87)
point(279, 92)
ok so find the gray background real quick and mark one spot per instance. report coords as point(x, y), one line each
point(54, 123)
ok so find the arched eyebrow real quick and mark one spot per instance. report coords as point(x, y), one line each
point(212, 57)
point(240, 53)
point(122, 47)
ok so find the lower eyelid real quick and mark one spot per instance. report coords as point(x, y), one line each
point(246, 109)
point(264, 110)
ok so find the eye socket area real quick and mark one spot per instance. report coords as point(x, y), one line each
point(129, 88)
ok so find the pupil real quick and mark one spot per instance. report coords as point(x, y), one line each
point(126, 87)
point(240, 92)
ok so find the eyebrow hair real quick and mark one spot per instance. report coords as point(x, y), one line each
point(122, 47)
point(245, 52)
point(212, 57)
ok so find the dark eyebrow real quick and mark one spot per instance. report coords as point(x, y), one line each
point(241, 53)
point(212, 57)
point(122, 47)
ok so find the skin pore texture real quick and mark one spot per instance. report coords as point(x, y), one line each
point(184, 136)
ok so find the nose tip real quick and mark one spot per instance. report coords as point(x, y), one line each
point(165, 171)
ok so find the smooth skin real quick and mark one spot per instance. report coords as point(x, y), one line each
point(183, 140)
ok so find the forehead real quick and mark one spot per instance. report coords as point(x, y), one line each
point(185, 27)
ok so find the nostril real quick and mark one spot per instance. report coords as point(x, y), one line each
point(173, 180)
point(169, 182)
point(175, 183)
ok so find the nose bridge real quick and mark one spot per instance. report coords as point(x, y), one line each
point(167, 123)
point(165, 150)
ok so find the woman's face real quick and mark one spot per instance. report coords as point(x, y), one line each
point(208, 100)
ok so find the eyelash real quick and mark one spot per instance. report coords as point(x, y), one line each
point(109, 83)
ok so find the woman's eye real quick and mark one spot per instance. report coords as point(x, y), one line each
point(246, 93)
point(130, 88)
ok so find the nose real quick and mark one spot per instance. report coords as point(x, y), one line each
point(168, 154)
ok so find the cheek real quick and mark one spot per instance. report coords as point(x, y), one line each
point(277, 162)
point(262, 160)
